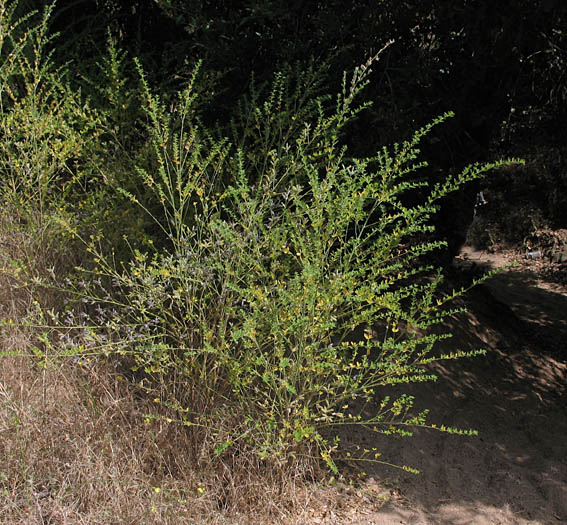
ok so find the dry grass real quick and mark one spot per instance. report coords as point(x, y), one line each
point(77, 448)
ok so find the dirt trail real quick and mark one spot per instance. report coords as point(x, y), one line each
point(515, 472)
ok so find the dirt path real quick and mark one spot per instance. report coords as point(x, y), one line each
point(515, 472)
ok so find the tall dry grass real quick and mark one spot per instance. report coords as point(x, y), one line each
point(80, 444)
point(78, 447)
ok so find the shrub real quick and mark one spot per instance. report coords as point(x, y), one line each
point(242, 323)
point(45, 133)
point(272, 254)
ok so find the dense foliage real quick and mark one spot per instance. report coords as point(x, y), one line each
point(500, 66)
point(269, 278)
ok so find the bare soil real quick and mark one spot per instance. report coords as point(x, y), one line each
point(515, 471)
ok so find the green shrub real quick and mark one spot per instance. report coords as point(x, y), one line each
point(243, 324)
point(46, 131)
point(287, 288)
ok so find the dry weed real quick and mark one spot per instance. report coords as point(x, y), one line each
point(77, 447)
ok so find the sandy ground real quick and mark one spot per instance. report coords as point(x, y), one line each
point(515, 472)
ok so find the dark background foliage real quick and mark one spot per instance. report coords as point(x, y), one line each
point(500, 66)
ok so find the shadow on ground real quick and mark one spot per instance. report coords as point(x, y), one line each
point(515, 471)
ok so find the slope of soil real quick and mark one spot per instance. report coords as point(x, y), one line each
point(515, 472)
